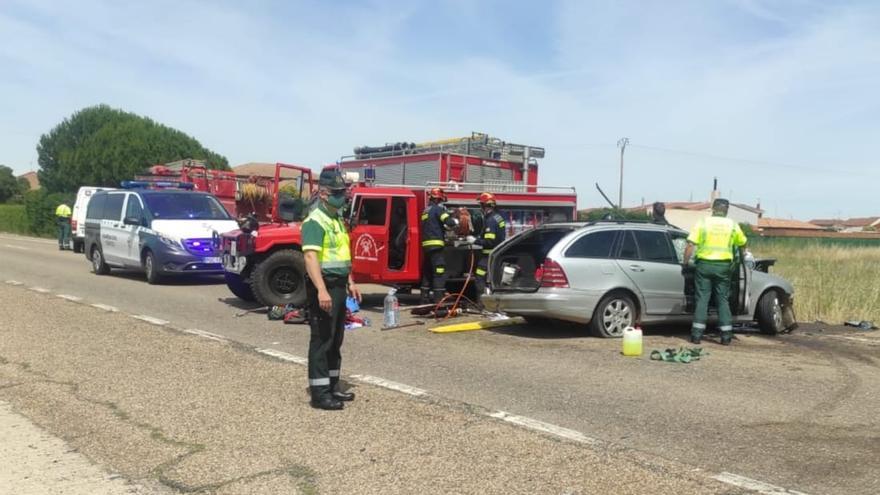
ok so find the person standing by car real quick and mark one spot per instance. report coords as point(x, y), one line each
point(435, 221)
point(328, 264)
point(62, 218)
point(494, 233)
point(713, 239)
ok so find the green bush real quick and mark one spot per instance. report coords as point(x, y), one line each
point(13, 219)
point(39, 209)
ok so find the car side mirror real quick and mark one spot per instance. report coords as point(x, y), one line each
point(132, 221)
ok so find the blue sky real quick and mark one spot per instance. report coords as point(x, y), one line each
point(778, 99)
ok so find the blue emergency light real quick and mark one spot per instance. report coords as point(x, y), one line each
point(141, 184)
point(369, 174)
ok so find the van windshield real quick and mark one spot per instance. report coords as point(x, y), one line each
point(170, 206)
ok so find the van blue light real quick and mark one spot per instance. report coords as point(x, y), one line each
point(140, 184)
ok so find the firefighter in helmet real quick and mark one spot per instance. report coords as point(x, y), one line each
point(494, 232)
point(435, 221)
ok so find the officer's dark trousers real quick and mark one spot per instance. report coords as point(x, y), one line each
point(63, 231)
point(328, 330)
point(712, 277)
point(434, 272)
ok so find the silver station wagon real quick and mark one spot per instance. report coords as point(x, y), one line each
point(612, 274)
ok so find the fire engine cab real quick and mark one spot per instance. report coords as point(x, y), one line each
point(388, 193)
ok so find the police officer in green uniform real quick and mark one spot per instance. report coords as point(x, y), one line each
point(328, 264)
point(62, 219)
point(714, 239)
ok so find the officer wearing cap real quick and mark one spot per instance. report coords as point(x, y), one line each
point(714, 239)
point(328, 264)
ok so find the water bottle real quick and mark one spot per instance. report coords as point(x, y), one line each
point(391, 313)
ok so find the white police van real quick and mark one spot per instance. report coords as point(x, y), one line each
point(159, 231)
point(78, 218)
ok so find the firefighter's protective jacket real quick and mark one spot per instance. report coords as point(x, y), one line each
point(435, 220)
point(494, 232)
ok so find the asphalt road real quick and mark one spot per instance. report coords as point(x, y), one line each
point(797, 411)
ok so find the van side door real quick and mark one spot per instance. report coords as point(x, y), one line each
point(134, 210)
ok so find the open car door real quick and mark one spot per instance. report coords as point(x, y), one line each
point(384, 238)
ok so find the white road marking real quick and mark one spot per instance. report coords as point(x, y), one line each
point(750, 484)
point(206, 335)
point(26, 239)
point(69, 298)
point(15, 247)
point(399, 387)
point(14, 282)
point(534, 424)
point(284, 356)
point(150, 319)
point(104, 307)
point(39, 289)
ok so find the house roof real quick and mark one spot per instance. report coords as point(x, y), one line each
point(861, 222)
point(781, 223)
point(826, 222)
point(32, 178)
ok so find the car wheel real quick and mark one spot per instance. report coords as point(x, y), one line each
point(238, 286)
point(77, 247)
point(613, 314)
point(280, 279)
point(150, 269)
point(770, 313)
point(99, 266)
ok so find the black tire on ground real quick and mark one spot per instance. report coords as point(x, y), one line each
point(239, 287)
point(99, 266)
point(150, 269)
point(78, 246)
point(280, 279)
point(614, 312)
point(769, 313)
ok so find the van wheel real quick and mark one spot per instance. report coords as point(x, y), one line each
point(150, 269)
point(280, 279)
point(238, 286)
point(99, 266)
point(770, 313)
point(613, 314)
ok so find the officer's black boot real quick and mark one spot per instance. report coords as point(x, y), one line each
point(696, 337)
point(726, 337)
point(339, 395)
point(323, 399)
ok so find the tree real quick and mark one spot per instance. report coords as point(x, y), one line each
point(101, 146)
point(9, 184)
point(615, 214)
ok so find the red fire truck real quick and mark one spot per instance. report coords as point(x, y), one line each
point(389, 185)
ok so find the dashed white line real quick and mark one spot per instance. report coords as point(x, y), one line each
point(39, 289)
point(69, 297)
point(284, 356)
point(399, 387)
point(206, 335)
point(15, 247)
point(534, 424)
point(151, 320)
point(755, 485)
point(14, 282)
point(105, 307)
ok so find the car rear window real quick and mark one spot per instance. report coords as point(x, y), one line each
point(592, 245)
point(96, 207)
point(113, 207)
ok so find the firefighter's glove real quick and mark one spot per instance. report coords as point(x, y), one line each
point(470, 239)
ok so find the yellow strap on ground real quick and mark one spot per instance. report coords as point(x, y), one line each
point(477, 325)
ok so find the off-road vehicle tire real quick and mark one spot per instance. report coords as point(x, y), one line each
point(280, 279)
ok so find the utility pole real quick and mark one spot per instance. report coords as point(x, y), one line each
point(621, 143)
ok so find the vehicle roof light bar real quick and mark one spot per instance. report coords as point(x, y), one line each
point(141, 184)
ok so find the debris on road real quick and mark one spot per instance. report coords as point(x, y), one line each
point(861, 325)
point(405, 325)
point(682, 355)
point(477, 325)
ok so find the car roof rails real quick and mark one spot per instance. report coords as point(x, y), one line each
point(144, 184)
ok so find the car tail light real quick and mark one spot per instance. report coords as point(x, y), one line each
point(550, 274)
point(73, 225)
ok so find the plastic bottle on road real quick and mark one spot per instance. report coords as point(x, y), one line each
point(391, 313)
point(632, 341)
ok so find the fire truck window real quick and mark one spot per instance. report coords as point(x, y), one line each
point(373, 211)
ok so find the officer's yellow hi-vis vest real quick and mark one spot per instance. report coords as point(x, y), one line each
point(715, 238)
point(62, 211)
point(335, 251)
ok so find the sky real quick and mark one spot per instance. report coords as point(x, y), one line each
point(777, 99)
